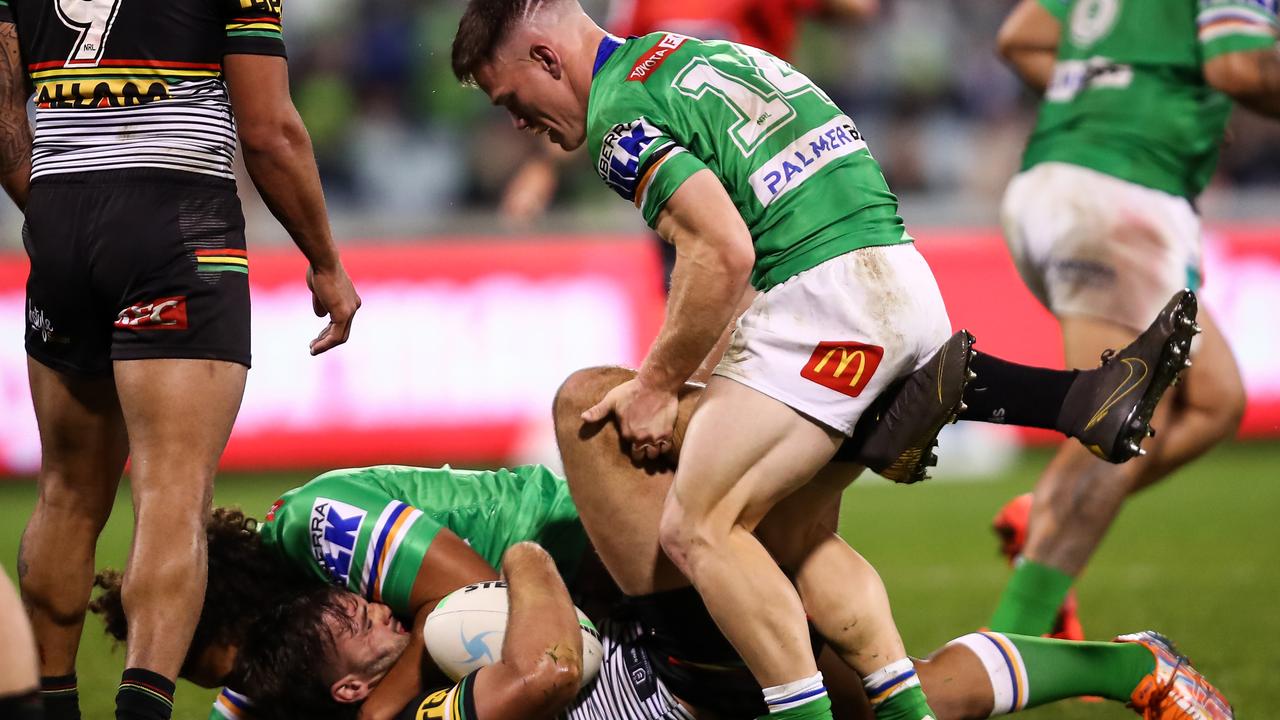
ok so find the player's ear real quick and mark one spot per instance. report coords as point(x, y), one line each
point(548, 59)
point(350, 689)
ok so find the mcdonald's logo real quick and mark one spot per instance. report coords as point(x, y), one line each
point(845, 367)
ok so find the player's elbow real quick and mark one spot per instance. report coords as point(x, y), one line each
point(1010, 43)
point(1237, 74)
point(553, 680)
point(281, 133)
point(735, 256)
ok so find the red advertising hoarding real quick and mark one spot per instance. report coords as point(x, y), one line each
point(461, 343)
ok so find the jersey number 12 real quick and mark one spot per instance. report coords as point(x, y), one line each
point(93, 20)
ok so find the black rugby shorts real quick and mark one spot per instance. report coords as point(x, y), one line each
point(135, 264)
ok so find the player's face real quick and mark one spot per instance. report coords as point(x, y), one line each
point(534, 89)
point(367, 642)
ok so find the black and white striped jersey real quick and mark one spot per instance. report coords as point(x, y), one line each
point(136, 83)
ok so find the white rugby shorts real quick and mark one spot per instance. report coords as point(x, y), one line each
point(1093, 245)
point(829, 340)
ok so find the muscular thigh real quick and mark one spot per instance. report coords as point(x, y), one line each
point(744, 452)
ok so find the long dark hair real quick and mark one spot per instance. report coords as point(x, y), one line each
point(286, 663)
point(245, 580)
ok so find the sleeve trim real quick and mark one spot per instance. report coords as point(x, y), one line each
point(642, 188)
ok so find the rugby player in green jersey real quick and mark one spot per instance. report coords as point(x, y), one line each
point(760, 182)
point(406, 535)
point(1102, 226)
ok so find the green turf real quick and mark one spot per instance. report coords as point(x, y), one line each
point(1194, 557)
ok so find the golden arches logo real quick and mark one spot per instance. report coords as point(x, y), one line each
point(845, 367)
point(846, 358)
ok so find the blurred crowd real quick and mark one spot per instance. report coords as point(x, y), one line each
point(404, 150)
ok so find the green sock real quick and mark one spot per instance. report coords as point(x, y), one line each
point(818, 708)
point(1031, 599)
point(1027, 672)
point(910, 704)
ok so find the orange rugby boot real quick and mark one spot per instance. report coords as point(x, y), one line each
point(1174, 690)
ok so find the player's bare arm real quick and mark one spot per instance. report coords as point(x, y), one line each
point(15, 131)
point(1250, 78)
point(541, 666)
point(278, 155)
point(448, 565)
point(1028, 43)
point(714, 256)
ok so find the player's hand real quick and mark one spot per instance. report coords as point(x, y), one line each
point(332, 294)
point(646, 417)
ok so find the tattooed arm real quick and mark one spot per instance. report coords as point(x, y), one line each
point(15, 131)
point(1252, 78)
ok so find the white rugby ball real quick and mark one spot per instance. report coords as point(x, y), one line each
point(465, 631)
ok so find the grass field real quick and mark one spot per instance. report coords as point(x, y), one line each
point(1195, 557)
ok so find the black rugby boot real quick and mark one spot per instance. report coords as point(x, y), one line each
point(1108, 409)
point(897, 435)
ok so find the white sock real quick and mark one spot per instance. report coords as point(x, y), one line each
point(890, 680)
point(794, 694)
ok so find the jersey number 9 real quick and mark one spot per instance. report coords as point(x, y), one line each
point(93, 20)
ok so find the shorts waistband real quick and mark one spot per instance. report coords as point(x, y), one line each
point(136, 176)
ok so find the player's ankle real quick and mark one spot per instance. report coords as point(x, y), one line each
point(895, 692)
point(804, 699)
point(60, 696)
point(144, 695)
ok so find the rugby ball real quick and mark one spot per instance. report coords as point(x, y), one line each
point(465, 631)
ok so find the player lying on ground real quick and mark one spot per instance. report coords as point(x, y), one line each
point(410, 523)
point(299, 651)
point(1102, 225)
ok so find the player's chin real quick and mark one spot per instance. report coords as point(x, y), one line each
point(566, 143)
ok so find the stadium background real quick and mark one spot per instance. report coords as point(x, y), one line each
point(470, 322)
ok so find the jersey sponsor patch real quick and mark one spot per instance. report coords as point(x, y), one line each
point(335, 529)
point(845, 367)
point(1071, 77)
point(621, 152)
point(161, 314)
point(797, 162)
point(649, 62)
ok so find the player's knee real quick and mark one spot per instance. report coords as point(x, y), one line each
point(673, 536)
point(585, 387)
point(683, 537)
point(949, 699)
point(78, 506)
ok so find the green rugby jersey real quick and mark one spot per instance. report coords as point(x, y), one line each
point(367, 529)
point(1128, 97)
point(664, 106)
